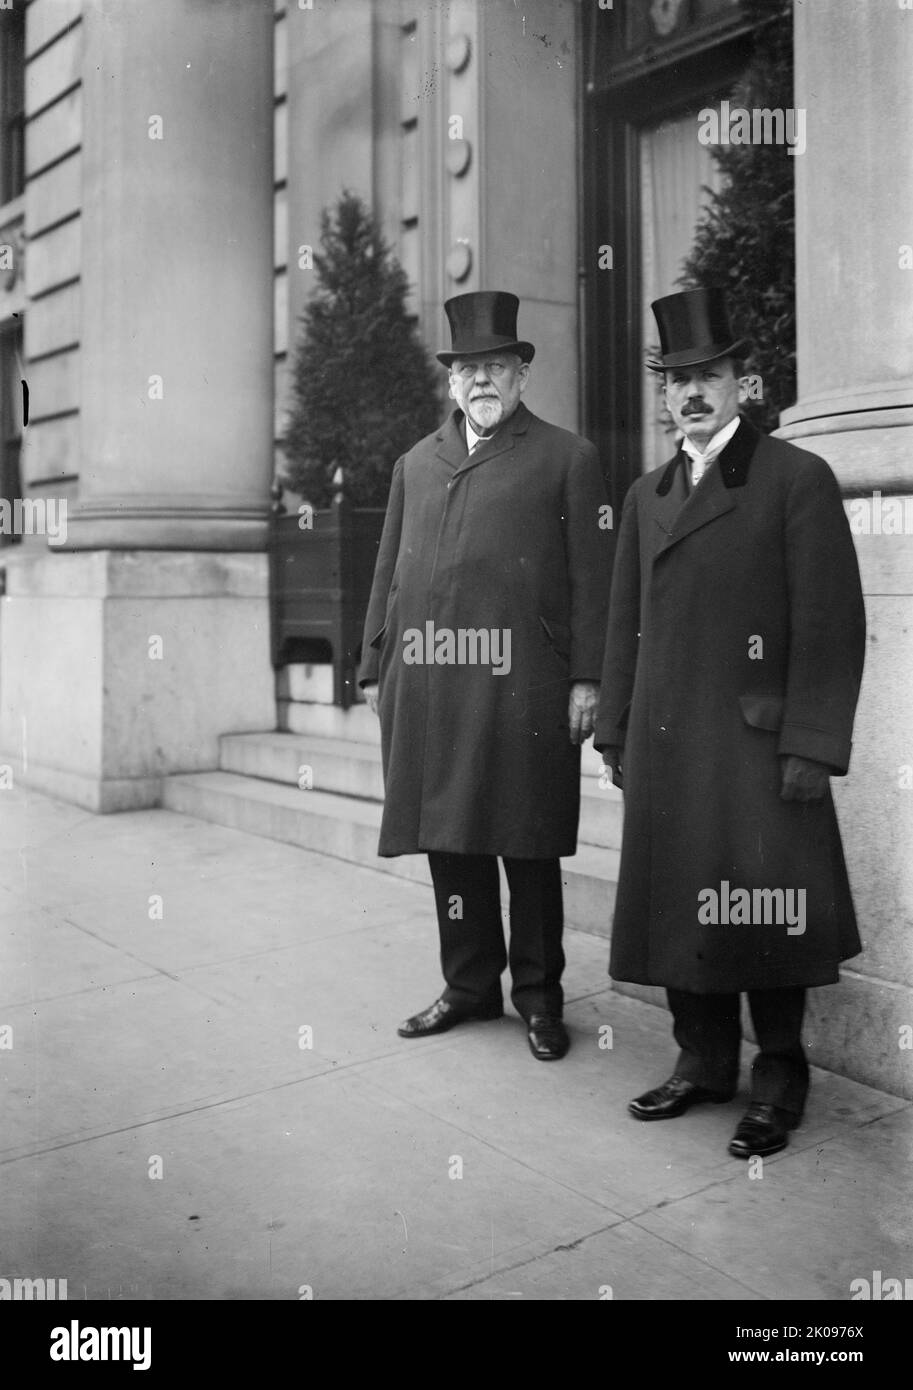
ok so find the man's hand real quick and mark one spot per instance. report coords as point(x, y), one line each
point(581, 714)
point(803, 779)
point(371, 692)
point(611, 761)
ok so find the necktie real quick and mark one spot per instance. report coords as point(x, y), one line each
point(699, 466)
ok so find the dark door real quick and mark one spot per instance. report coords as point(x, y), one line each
point(649, 70)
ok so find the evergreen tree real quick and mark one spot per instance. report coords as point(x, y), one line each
point(745, 239)
point(363, 387)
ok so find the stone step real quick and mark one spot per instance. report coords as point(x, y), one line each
point(341, 765)
point(601, 815)
point(350, 767)
point(359, 725)
point(346, 827)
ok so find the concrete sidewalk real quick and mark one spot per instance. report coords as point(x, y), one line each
point(163, 1034)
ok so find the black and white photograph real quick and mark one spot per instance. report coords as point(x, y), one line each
point(456, 615)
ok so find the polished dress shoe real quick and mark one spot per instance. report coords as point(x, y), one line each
point(548, 1039)
point(441, 1016)
point(672, 1098)
point(762, 1130)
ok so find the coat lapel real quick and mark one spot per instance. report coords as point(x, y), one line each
point(451, 444)
point(715, 495)
point(668, 500)
point(736, 457)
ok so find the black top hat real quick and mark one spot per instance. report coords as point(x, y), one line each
point(693, 328)
point(484, 321)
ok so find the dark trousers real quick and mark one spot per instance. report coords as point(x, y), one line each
point(708, 1030)
point(467, 894)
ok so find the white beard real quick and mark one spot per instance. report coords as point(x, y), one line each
point(486, 414)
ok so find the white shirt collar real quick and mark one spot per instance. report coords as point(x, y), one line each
point(472, 438)
point(716, 445)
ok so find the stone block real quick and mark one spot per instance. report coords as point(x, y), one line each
point(105, 655)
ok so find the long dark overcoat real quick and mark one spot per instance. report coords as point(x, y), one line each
point(513, 538)
point(704, 712)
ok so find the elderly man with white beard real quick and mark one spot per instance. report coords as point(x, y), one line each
point(497, 524)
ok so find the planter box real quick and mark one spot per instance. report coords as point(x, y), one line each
point(320, 583)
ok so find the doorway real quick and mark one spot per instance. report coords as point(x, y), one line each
point(644, 175)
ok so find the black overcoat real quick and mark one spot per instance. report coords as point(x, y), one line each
point(704, 711)
point(515, 537)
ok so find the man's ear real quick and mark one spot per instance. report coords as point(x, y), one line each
point(451, 388)
point(523, 375)
point(744, 389)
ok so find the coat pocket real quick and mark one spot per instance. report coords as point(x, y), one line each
point(378, 638)
point(763, 711)
point(558, 637)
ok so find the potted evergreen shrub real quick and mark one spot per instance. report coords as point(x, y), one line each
point(363, 391)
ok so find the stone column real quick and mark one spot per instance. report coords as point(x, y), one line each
point(176, 345)
point(125, 657)
point(855, 351)
point(853, 238)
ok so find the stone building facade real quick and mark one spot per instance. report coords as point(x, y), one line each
point(163, 167)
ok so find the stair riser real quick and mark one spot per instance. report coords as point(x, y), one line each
point(346, 774)
point(600, 823)
point(361, 726)
point(328, 721)
point(588, 901)
point(350, 775)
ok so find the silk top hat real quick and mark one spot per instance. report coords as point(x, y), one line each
point(484, 321)
point(693, 328)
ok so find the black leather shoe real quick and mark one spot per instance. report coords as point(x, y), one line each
point(548, 1039)
point(672, 1098)
point(440, 1016)
point(762, 1130)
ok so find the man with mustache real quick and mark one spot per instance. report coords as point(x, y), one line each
point(497, 523)
point(733, 662)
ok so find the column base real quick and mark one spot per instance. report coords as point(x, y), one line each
point(122, 667)
point(867, 438)
point(857, 1028)
point(159, 524)
point(852, 1028)
point(100, 795)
